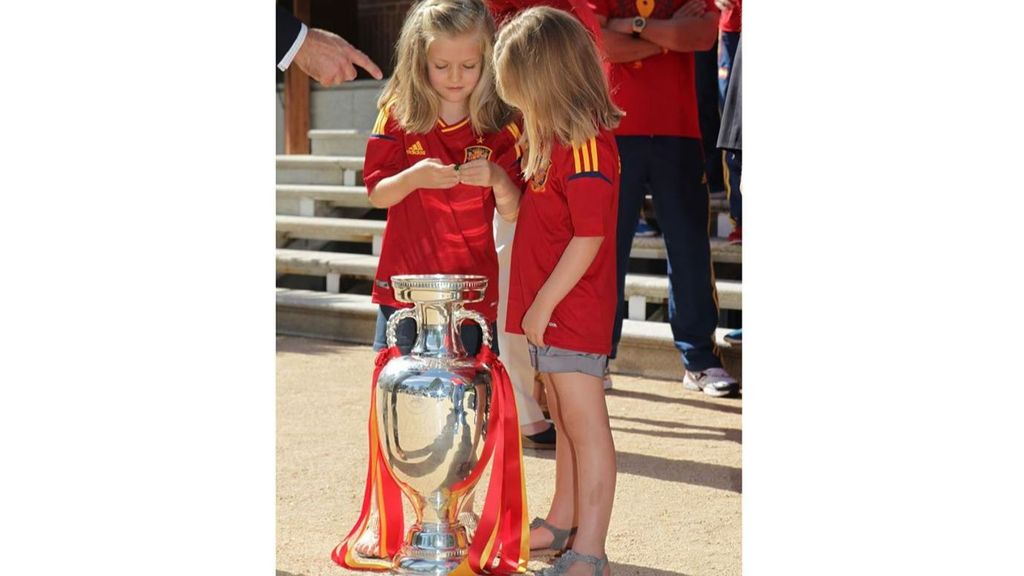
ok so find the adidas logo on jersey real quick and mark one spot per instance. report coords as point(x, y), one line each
point(416, 150)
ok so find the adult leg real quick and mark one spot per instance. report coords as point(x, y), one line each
point(705, 72)
point(634, 154)
point(515, 350)
point(682, 201)
point(732, 164)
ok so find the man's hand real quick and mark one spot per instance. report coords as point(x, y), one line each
point(431, 173)
point(479, 172)
point(535, 323)
point(330, 59)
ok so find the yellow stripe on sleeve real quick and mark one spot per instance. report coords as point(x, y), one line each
point(382, 120)
point(514, 131)
point(586, 158)
point(576, 158)
point(593, 152)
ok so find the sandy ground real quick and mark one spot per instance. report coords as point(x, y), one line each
point(677, 507)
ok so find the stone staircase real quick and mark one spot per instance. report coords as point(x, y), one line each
point(327, 229)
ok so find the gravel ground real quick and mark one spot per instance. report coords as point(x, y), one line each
point(677, 508)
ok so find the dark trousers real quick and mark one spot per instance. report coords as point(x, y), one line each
point(405, 335)
point(673, 168)
point(731, 160)
point(709, 112)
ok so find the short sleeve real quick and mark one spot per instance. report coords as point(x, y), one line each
point(385, 155)
point(508, 153)
point(591, 187)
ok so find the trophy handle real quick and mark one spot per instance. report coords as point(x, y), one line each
point(397, 317)
point(463, 314)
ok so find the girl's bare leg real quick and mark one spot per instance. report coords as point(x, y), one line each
point(585, 423)
point(562, 513)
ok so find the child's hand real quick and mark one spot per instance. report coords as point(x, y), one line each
point(535, 323)
point(479, 172)
point(432, 173)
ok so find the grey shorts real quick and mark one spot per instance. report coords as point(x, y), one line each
point(554, 359)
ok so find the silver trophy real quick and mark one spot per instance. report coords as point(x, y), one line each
point(432, 413)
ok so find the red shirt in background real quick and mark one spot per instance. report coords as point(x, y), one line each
point(657, 93)
point(732, 18)
point(503, 10)
point(439, 231)
point(578, 195)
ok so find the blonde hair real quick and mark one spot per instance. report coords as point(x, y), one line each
point(547, 66)
point(413, 101)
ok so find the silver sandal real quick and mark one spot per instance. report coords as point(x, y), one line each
point(560, 538)
point(561, 566)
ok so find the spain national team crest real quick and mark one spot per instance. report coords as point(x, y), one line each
point(477, 152)
point(539, 179)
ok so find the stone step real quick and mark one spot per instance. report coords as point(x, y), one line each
point(336, 265)
point(349, 196)
point(338, 142)
point(345, 317)
point(646, 348)
point(336, 170)
point(331, 265)
point(643, 287)
point(318, 199)
point(653, 248)
point(340, 229)
point(354, 230)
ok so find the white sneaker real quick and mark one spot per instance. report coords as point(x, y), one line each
point(713, 382)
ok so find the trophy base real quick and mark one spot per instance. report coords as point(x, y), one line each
point(432, 550)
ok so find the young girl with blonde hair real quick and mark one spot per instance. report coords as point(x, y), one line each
point(442, 158)
point(562, 291)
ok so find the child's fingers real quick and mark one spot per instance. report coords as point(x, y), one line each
point(468, 172)
point(472, 175)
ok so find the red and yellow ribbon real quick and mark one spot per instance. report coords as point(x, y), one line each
point(388, 502)
point(501, 543)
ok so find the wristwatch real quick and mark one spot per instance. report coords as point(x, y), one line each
point(639, 23)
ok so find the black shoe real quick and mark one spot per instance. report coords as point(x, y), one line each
point(541, 440)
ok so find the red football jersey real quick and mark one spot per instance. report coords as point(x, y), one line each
point(503, 10)
point(439, 231)
point(578, 195)
point(732, 18)
point(658, 93)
